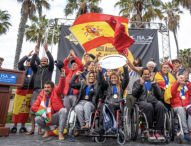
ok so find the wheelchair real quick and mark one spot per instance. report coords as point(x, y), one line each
point(176, 127)
point(139, 119)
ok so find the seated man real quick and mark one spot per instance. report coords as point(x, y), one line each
point(48, 107)
point(148, 94)
point(180, 100)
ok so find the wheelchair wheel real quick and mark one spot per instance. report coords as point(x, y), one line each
point(168, 126)
point(142, 139)
point(71, 138)
point(127, 124)
point(69, 128)
point(172, 124)
point(179, 140)
point(134, 122)
point(121, 138)
point(100, 139)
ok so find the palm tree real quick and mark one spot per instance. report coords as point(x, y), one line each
point(185, 58)
point(172, 11)
point(185, 3)
point(28, 8)
point(140, 10)
point(82, 7)
point(4, 22)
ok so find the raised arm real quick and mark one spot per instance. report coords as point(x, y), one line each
point(137, 69)
point(102, 82)
point(60, 87)
point(66, 61)
point(137, 88)
point(73, 84)
point(37, 60)
point(21, 63)
point(33, 59)
point(125, 77)
point(51, 60)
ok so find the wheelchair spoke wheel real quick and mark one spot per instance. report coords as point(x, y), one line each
point(135, 122)
point(127, 124)
point(71, 138)
point(100, 139)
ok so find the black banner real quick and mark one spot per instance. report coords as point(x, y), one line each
point(145, 46)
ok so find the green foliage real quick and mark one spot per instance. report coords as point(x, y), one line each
point(185, 58)
point(163, 59)
point(4, 22)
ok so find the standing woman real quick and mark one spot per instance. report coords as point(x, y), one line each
point(87, 97)
point(114, 92)
point(165, 81)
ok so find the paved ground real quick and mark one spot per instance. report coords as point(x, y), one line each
point(36, 140)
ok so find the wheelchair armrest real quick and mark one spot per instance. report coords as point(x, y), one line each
point(121, 105)
point(99, 103)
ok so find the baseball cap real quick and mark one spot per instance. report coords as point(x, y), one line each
point(176, 60)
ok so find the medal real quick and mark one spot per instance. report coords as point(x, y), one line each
point(166, 86)
point(149, 92)
point(115, 95)
point(183, 97)
point(28, 76)
point(86, 97)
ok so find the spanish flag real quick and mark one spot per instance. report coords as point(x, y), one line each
point(161, 82)
point(22, 105)
point(93, 30)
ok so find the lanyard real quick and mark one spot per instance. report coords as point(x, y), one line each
point(182, 91)
point(88, 89)
point(29, 71)
point(47, 101)
point(147, 85)
point(166, 80)
point(114, 89)
point(107, 78)
point(131, 73)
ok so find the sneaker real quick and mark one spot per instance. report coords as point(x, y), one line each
point(13, 130)
point(23, 130)
point(187, 136)
point(159, 135)
point(151, 135)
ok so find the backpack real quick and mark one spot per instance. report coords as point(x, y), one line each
point(109, 122)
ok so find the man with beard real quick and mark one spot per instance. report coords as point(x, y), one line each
point(43, 73)
point(136, 67)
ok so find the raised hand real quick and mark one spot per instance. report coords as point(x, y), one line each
point(141, 81)
point(30, 54)
point(98, 54)
point(99, 67)
point(45, 47)
point(72, 53)
point(62, 72)
point(78, 73)
point(185, 75)
point(36, 49)
point(152, 77)
point(164, 61)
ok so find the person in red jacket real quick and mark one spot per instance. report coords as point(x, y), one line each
point(70, 93)
point(48, 107)
point(181, 93)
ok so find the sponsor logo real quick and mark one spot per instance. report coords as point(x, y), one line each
point(140, 39)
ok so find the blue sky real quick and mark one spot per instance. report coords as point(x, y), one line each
point(8, 41)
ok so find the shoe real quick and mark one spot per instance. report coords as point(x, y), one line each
point(13, 130)
point(75, 133)
point(159, 135)
point(23, 130)
point(86, 127)
point(187, 136)
point(151, 135)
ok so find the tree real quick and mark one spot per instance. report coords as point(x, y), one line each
point(82, 7)
point(185, 58)
point(140, 10)
point(4, 22)
point(185, 3)
point(172, 11)
point(28, 8)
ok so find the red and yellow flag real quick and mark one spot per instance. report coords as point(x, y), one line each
point(93, 30)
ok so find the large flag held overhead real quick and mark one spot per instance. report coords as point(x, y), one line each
point(93, 30)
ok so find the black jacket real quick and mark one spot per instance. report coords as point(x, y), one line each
point(81, 85)
point(43, 74)
point(104, 85)
point(28, 81)
point(140, 92)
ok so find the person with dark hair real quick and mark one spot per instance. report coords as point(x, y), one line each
point(180, 101)
point(148, 95)
point(1, 61)
point(90, 67)
point(87, 97)
point(165, 81)
point(23, 95)
point(70, 93)
point(114, 92)
point(87, 57)
point(136, 67)
point(43, 73)
point(48, 107)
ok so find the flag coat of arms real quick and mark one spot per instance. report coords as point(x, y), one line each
point(93, 30)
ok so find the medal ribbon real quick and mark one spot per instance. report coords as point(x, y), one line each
point(131, 73)
point(29, 71)
point(88, 89)
point(182, 91)
point(115, 89)
point(147, 85)
point(166, 80)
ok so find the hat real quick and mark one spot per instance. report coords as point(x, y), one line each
point(72, 61)
point(176, 60)
point(29, 59)
point(59, 64)
point(1, 58)
point(188, 109)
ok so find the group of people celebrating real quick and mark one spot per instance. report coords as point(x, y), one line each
point(82, 86)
